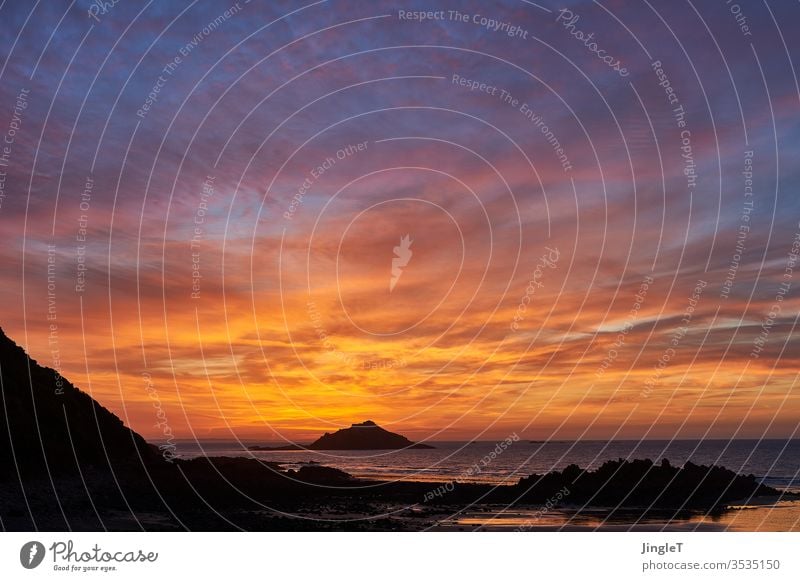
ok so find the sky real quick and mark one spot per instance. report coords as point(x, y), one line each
point(268, 220)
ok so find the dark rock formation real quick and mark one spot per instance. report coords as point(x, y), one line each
point(364, 436)
point(321, 475)
point(46, 423)
point(641, 483)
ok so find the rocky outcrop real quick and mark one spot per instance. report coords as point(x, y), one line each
point(364, 436)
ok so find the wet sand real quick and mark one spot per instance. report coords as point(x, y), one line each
point(759, 514)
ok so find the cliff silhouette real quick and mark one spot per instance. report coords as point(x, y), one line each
point(49, 425)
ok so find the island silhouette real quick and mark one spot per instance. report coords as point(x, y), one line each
point(364, 436)
point(67, 463)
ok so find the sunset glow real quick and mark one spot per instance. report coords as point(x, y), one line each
point(278, 222)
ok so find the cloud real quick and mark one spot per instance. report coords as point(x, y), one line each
point(252, 322)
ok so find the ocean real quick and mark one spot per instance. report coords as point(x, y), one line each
point(775, 462)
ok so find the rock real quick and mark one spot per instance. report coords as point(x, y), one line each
point(321, 475)
point(642, 483)
point(365, 436)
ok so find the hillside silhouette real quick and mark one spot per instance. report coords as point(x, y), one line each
point(48, 425)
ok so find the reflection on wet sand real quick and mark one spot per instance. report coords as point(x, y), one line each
point(757, 516)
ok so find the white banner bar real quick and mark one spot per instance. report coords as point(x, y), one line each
point(399, 556)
